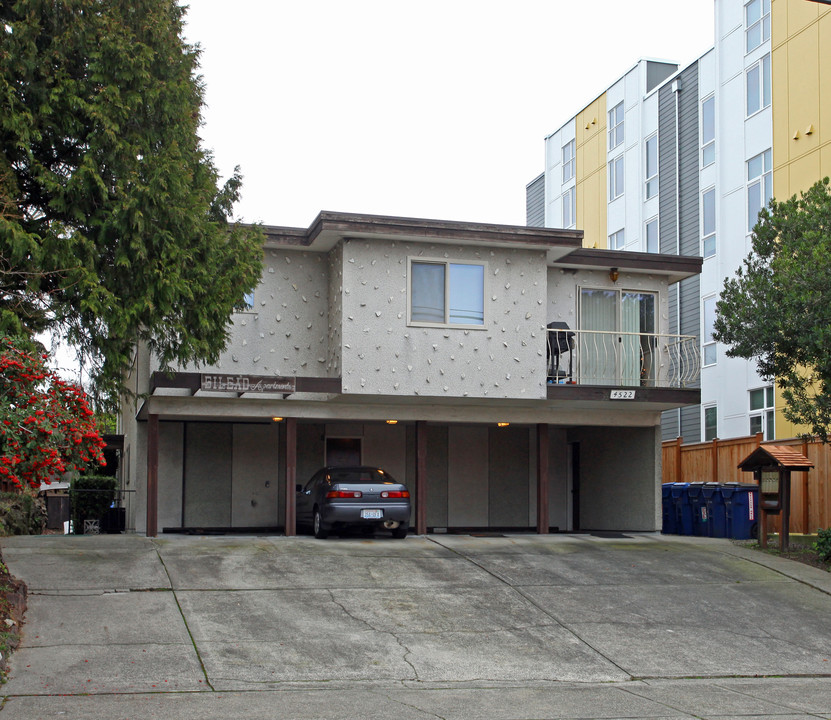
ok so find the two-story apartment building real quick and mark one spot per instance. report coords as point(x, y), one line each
point(424, 347)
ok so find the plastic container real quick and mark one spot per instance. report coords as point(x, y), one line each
point(698, 508)
point(668, 526)
point(681, 508)
point(741, 510)
point(714, 507)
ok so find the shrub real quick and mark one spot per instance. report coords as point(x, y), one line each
point(21, 513)
point(822, 545)
point(90, 497)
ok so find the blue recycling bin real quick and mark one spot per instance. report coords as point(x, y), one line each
point(714, 508)
point(698, 508)
point(740, 510)
point(681, 508)
point(668, 527)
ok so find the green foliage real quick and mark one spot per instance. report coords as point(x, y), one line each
point(777, 309)
point(113, 228)
point(21, 513)
point(822, 545)
point(90, 497)
point(46, 426)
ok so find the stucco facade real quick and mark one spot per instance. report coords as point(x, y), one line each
point(331, 350)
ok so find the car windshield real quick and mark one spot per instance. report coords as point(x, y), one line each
point(360, 476)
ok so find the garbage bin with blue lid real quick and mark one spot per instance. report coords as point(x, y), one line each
point(740, 510)
point(714, 507)
point(698, 508)
point(681, 508)
point(668, 526)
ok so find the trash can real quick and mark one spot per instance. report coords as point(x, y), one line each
point(714, 507)
point(740, 510)
point(681, 508)
point(698, 508)
point(668, 527)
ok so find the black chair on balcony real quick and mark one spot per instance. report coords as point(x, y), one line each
point(560, 340)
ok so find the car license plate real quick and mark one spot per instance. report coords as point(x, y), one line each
point(372, 514)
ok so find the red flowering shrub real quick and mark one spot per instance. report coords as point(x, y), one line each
point(46, 425)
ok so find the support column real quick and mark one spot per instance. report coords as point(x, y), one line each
point(421, 478)
point(543, 522)
point(291, 477)
point(152, 475)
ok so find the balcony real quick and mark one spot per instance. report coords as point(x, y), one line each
point(623, 359)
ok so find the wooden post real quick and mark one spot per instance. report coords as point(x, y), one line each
point(806, 517)
point(785, 520)
point(421, 478)
point(291, 477)
point(714, 460)
point(152, 475)
point(679, 466)
point(543, 522)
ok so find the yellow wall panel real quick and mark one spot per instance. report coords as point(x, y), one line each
point(824, 62)
point(778, 21)
point(803, 90)
point(800, 15)
point(590, 138)
point(780, 105)
point(804, 172)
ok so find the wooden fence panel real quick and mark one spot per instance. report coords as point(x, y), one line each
point(718, 461)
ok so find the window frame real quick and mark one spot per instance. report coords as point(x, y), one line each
point(766, 414)
point(763, 22)
point(615, 245)
point(764, 180)
point(707, 233)
point(707, 340)
point(446, 263)
point(569, 161)
point(652, 221)
point(569, 198)
point(651, 181)
point(614, 191)
point(761, 90)
point(617, 129)
point(707, 143)
point(707, 437)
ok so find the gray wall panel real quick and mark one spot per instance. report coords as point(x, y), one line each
point(508, 476)
point(535, 202)
point(208, 453)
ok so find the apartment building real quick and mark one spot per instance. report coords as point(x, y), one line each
point(680, 160)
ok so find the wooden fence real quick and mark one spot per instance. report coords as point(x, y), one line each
point(717, 461)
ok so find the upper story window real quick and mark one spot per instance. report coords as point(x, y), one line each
point(616, 178)
point(651, 161)
point(709, 343)
point(617, 240)
point(652, 239)
point(447, 293)
point(762, 412)
point(708, 223)
point(248, 300)
point(569, 208)
point(757, 23)
point(759, 186)
point(616, 126)
point(568, 161)
point(708, 131)
point(758, 85)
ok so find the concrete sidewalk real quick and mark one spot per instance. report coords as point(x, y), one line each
point(443, 626)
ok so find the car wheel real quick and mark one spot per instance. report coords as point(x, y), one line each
point(400, 532)
point(321, 533)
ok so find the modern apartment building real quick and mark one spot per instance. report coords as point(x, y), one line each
point(680, 160)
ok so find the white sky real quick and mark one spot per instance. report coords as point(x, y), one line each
point(433, 109)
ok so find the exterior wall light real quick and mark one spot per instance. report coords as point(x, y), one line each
point(277, 419)
point(502, 424)
point(392, 422)
point(614, 274)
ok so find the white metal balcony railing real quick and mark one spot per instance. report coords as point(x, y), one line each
point(623, 359)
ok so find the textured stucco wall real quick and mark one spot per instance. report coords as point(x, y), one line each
point(286, 331)
point(335, 264)
point(383, 355)
point(563, 289)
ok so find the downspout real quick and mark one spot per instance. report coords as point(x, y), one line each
point(676, 91)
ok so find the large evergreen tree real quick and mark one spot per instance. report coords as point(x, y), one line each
point(777, 309)
point(112, 226)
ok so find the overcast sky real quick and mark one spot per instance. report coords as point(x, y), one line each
point(434, 109)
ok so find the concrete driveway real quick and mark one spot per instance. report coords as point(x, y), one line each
point(443, 626)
